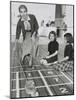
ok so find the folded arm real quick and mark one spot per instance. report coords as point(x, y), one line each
point(52, 55)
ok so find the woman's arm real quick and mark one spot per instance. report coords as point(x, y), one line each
point(52, 55)
point(64, 59)
point(18, 30)
point(36, 26)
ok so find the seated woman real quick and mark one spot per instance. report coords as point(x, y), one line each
point(53, 47)
point(68, 51)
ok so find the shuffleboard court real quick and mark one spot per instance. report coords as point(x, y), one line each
point(48, 81)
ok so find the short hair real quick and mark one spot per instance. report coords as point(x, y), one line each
point(52, 22)
point(54, 33)
point(69, 37)
point(22, 6)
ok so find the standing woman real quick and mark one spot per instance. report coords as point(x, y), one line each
point(28, 25)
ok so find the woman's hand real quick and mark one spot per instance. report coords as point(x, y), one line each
point(17, 47)
point(47, 57)
point(33, 37)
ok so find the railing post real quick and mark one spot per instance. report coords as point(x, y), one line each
point(17, 85)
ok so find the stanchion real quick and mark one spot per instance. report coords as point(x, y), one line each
point(17, 85)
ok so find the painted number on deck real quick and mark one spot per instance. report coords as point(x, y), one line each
point(63, 90)
point(56, 79)
point(50, 72)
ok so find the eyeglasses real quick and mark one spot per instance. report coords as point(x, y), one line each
point(22, 11)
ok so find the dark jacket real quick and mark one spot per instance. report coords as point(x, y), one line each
point(20, 26)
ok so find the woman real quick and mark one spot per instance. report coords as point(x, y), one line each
point(53, 47)
point(28, 25)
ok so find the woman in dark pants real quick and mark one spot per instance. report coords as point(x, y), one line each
point(28, 25)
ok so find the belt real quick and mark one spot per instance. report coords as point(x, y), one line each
point(27, 30)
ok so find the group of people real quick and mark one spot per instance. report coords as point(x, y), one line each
point(29, 27)
point(53, 48)
point(46, 28)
